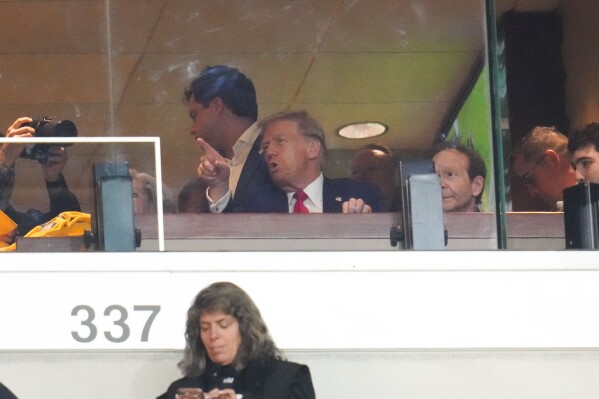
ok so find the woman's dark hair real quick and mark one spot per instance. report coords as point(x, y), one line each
point(256, 343)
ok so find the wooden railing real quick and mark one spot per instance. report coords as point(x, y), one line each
point(271, 232)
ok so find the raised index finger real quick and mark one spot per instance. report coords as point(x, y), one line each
point(210, 152)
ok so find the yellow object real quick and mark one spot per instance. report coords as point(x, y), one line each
point(67, 224)
point(7, 225)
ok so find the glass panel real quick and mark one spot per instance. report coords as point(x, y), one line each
point(119, 67)
point(408, 65)
point(550, 84)
point(115, 207)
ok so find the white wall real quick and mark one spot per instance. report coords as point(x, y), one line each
point(395, 325)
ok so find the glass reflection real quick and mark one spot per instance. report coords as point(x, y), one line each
point(118, 68)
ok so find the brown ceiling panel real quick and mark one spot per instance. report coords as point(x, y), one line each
point(409, 123)
point(364, 78)
point(407, 26)
point(53, 27)
point(160, 78)
point(233, 26)
point(54, 78)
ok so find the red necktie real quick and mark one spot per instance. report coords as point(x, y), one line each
point(299, 206)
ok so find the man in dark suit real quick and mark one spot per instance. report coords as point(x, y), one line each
point(222, 105)
point(294, 148)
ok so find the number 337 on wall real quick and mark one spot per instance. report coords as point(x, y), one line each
point(120, 330)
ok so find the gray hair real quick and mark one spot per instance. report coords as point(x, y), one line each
point(148, 185)
point(305, 124)
point(256, 343)
point(538, 140)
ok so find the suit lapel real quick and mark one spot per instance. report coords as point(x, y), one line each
point(267, 198)
point(281, 203)
point(250, 167)
point(331, 198)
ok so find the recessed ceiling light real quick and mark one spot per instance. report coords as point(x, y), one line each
point(362, 130)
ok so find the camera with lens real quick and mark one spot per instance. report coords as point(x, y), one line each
point(45, 126)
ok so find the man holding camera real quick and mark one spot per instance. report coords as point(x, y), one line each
point(61, 198)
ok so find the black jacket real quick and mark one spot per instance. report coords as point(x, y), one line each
point(61, 199)
point(271, 199)
point(274, 379)
point(5, 393)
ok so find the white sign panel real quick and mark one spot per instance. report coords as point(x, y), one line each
point(337, 301)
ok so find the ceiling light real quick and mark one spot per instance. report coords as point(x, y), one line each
point(362, 130)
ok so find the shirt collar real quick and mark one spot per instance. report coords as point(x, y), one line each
point(246, 139)
point(313, 191)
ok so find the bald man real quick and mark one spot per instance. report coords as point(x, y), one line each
point(374, 163)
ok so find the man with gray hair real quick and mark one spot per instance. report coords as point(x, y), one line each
point(542, 162)
point(294, 149)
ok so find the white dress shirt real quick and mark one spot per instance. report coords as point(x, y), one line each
point(314, 193)
point(241, 150)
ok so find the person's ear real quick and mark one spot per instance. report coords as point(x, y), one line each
point(552, 157)
point(218, 105)
point(477, 184)
point(314, 149)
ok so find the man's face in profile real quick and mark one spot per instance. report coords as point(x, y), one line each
point(539, 177)
point(204, 122)
point(459, 192)
point(288, 153)
point(586, 164)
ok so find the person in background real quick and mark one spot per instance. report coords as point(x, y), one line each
point(144, 194)
point(222, 105)
point(584, 151)
point(542, 162)
point(462, 175)
point(192, 197)
point(230, 354)
point(294, 148)
point(374, 163)
point(61, 198)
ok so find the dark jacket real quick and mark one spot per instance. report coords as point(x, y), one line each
point(274, 379)
point(269, 198)
point(254, 173)
point(61, 200)
point(5, 393)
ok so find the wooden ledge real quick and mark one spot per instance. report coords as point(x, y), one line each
point(329, 226)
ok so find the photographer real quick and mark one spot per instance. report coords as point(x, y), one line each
point(61, 198)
